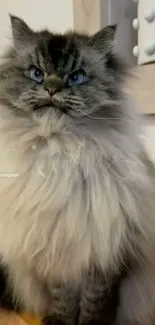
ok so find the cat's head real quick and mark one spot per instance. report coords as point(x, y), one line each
point(72, 74)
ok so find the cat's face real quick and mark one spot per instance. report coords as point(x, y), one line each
point(70, 74)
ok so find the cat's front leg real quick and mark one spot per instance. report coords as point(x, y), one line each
point(137, 297)
point(27, 289)
point(58, 303)
point(99, 299)
point(64, 306)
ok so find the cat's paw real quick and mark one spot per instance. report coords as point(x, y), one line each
point(95, 321)
point(92, 322)
point(52, 320)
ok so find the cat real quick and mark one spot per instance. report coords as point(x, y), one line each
point(77, 225)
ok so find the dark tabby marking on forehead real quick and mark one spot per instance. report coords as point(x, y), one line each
point(62, 50)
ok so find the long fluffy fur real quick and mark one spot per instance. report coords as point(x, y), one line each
point(74, 197)
point(83, 194)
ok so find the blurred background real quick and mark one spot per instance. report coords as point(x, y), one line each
point(135, 37)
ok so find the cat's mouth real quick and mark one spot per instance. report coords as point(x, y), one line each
point(60, 105)
point(52, 104)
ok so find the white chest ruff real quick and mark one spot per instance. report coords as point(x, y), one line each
point(54, 220)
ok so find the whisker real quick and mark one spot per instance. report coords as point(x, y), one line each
point(12, 110)
point(7, 96)
point(103, 118)
point(72, 102)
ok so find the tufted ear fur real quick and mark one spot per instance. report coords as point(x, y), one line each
point(103, 41)
point(23, 36)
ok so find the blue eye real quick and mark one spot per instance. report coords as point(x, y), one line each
point(35, 74)
point(77, 78)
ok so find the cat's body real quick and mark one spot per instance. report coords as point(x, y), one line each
point(84, 198)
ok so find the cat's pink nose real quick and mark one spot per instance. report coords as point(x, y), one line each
point(53, 84)
point(51, 90)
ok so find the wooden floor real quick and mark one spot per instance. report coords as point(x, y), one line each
point(14, 319)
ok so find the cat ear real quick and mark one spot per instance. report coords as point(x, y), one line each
point(103, 41)
point(22, 35)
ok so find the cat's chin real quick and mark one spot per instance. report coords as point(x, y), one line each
point(47, 109)
point(59, 105)
point(50, 108)
point(48, 122)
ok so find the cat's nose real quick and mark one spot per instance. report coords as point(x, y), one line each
point(53, 84)
point(52, 90)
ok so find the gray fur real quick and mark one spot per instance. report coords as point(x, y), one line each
point(84, 194)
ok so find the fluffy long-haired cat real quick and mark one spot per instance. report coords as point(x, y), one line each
point(77, 226)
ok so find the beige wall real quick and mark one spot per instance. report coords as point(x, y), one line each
point(87, 15)
point(57, 15)
point(150, 137)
